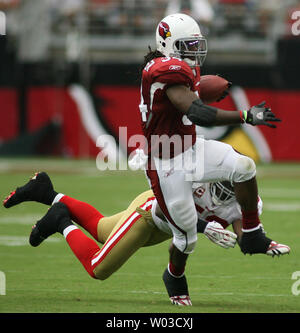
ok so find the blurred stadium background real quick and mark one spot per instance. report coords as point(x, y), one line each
point(69, 72)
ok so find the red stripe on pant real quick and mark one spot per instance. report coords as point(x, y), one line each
point(99, 257)
point(87, 250)
point(155, 184)
point(119, 234)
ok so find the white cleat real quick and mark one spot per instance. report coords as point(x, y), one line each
point(276, 249)
point(181, 300)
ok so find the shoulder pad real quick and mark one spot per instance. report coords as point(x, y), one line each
point(172, 70)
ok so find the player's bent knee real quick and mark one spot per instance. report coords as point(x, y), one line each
point(102, 274)
point(185, 243)
point(245, 169)
point(185, 247)
point(190, 248)
point(183, 214)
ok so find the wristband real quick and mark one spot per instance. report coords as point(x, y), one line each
point(243, 116)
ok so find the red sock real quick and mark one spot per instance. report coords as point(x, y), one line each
point(250, 219)
point(84, 249)
point(176, 271)
point(83, 214)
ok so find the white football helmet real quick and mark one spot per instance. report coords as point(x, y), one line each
point(179, 35)
point(222, 193)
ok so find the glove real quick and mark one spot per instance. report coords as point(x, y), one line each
point(259, 115)
point(218, 235)
point(138, 161)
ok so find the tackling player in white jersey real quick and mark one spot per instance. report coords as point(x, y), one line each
point(141, 224)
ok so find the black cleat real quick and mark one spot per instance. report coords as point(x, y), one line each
point(177, 289)
point(39, 188)
point(255, 242)
point(56, 219)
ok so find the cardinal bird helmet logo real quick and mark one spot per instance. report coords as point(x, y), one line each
point(164, 30)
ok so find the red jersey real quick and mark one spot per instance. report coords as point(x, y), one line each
point(163, 125)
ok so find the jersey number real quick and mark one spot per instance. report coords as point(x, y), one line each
point(211, 218)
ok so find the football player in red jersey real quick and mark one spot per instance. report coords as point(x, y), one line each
point(170, 108)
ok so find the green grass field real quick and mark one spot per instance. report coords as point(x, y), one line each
point(50, 279)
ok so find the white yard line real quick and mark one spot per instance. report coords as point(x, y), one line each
point(26, 219)
point(7, 240)
point(216, 294)
point(221, 277)
point(282, 206)
point(279, 193)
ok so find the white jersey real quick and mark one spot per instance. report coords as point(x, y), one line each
point(206, 210)
point(223, 214)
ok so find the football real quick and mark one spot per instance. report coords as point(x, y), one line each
point(212, 88)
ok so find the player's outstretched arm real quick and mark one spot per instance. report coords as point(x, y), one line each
point(205, 115)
